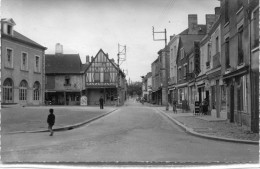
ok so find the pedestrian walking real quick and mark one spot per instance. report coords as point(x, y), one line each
point(101, 102)
point(51, 121)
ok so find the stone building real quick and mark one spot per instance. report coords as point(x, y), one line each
point(160, 69)
point(240, 43)
point(64, 78)
point(146, 86)
point(209, 80)
point(195, 32)
point(22, 67)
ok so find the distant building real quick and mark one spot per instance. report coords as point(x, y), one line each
point(209, 81)
point(160, 68)
point(22, 67)
point(64, 78)
point(156, 83)
point(194, 33)
point(101, 79)
point(147, 86)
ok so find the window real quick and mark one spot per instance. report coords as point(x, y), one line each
point(227, 53)
point(223, 97)
point(37, 64)
point(23, 90)
point(182, 53)
point(97, 77)
point(240, 94)
point(67, 81)
point(179, 73)
point(9, 29)
point(217, 43)
point(190, 66)
point(36, 91)
point(24, 65)
point(181, 94)
point(9, 58)
point(226, 11)
point(255, 27)
point(184, 71)
point(107, 77)
point(8, 91)
point(209, 52)
point(240, 46)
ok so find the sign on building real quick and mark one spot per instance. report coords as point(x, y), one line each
point(196, 57)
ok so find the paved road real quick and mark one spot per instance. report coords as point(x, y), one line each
point(135, 133)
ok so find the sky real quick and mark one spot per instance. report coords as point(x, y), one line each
point(85, 26)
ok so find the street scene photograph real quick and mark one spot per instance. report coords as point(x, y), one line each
point(130, 82)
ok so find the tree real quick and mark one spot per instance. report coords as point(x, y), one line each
point(135, 89)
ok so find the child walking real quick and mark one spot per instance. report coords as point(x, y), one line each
point(51, 121)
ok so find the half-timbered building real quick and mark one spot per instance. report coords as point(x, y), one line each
point(101, 79)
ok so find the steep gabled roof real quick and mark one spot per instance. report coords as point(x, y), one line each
point(63, 64)
point(84, 67)
point(113, 63)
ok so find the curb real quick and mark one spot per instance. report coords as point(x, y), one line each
point(69, 127)
point(192, 132)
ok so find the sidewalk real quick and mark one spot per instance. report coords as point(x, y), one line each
point(209, 127)
point(28, 119)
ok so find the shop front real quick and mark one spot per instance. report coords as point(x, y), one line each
point(62, 97)
point(237, 96)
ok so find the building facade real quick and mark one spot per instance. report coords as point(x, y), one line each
point(160, 74)
point(22, 67)
point(240, 43)
point(101, 79)
point(185, 57)
point(64, 78)
point(146, 86)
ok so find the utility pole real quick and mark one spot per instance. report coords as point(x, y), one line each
point(165, 64)
point(120, 53)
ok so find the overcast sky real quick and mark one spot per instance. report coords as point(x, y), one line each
point(85, 26)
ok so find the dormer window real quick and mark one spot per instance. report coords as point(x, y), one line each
point(8, 26)
point(9, 29)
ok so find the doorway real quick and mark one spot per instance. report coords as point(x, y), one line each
point(231, 103)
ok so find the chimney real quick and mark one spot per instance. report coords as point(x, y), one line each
point(193, 23)
point(217, 11)
point(210, 20)
point(92, 58)
point(87, 59)
point(59, 49)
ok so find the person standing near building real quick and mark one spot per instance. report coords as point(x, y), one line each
point(101, 102)
point(51, 121)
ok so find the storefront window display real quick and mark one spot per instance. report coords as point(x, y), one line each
point(180, 95)
point(223, 97)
